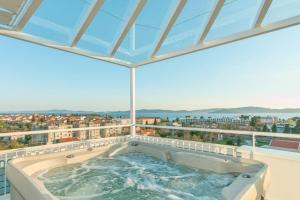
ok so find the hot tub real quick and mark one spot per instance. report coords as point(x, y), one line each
point(136, 170)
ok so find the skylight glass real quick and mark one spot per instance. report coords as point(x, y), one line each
point(188, 26)
point(57, 20)
point(5, 17)
point(106, 26)
point(235, 16)
point(139, 42)
point(9, 11)
point(280, 10)
point(137, 32)
point(12, 6)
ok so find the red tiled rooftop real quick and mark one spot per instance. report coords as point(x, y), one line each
point(289, 144)
point(68, 139)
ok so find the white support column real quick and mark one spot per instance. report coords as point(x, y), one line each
point(253, 145)
point(132, 101)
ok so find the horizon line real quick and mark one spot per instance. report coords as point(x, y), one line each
point(162, 109)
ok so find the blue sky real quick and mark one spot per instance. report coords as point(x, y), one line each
point(261, 71)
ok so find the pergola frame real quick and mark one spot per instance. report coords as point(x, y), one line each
point(256, 29)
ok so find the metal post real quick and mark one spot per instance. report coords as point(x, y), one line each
point(253, 144)
point(5, 181)
point(132, 101)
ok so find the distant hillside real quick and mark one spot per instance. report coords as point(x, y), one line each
point(49, 112)
point(241, 110)
point(245, 110)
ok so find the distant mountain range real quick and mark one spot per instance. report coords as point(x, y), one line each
point(240, 110)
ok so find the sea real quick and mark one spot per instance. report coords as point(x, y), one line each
point(174, 115)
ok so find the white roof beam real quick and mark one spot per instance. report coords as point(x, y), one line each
point(28, 13)
point(131, 19)
point(168, 27)
point(262, 12)
point(87, 21)
point(212, 18)
point(232, 38)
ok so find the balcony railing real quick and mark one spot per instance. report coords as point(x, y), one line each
point(190, 145)
point(253, 134)
point(194, 146)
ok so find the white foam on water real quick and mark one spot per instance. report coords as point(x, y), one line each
point(134, 174)
point(174, 197)
point(129, 182)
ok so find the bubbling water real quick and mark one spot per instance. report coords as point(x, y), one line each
point(133, 176)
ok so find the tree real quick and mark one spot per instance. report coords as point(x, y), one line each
point(245, 117)
point(238, 141)
point(287, 128)
point(27, 139)
point(253, 121)
point(179, 133)
point(163, 134)
point(297, 127)
point(155, 121)
point(274, 128)
point(229, 142)
point(192, 133)
point(265, 128)
point(33, 118)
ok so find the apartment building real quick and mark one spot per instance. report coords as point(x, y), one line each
point(55, 137)
point(94, 134)
point(147, 120)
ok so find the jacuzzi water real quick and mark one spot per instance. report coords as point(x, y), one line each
point(133, 176)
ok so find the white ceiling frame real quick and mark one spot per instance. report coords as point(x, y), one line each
point(28, 13)
point(87, 21)
point(212, 18)
point(131, 19)
point(168, 26)
point(262, 12)
point(232, 38)
point(48, 43)
point(256, 29)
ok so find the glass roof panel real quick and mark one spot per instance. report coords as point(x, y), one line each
point(57, 20)
point(11, 5)
point(235, 16)
point(139, 42)
point(280, 10)
point(107, 35)
point(5, 17)
point(106, 26)
point(9, 11)
point(188, 26)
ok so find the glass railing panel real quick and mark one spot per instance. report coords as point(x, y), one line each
point(277, 145)
point(4, 184)
point(211, 140)
point(21, 141)
point(196, 141)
